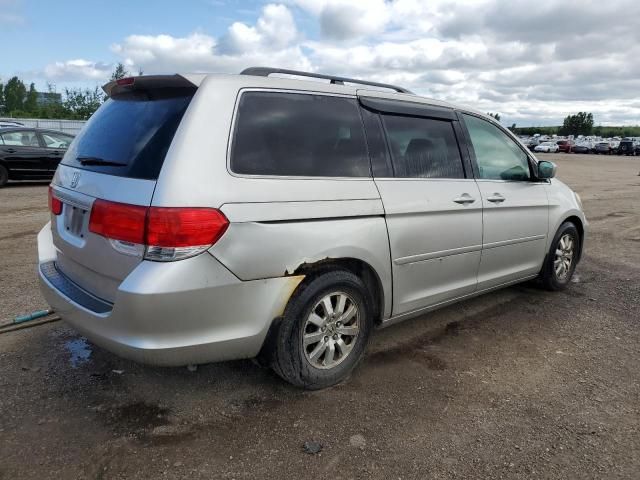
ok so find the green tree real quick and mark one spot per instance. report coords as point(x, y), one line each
point(14, 95)
point(119, 72)
point(80, 103)
point(31, 102)
point(494, 115)
point(1, 98)
point(578, 124)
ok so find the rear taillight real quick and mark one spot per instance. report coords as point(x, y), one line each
point(118, 221)
point(165, 233)
point(55, 205)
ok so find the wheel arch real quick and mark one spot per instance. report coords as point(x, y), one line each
point(359, 268)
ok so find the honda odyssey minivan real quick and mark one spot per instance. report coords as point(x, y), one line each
point(200, 218)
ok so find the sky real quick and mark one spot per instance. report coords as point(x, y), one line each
point(534, 62)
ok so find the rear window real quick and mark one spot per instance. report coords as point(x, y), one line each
point(129, 135)
point(290, 134)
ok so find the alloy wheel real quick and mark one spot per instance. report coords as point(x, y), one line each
point(564, 256)
point(330, 331)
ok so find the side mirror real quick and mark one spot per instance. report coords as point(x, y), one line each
point(546, 170)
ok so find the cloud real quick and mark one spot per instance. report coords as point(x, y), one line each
point(532, 64)
point(77, 70)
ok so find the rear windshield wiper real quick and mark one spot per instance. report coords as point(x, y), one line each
point(99, 161)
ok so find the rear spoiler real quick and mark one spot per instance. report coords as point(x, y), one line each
point(146, 82)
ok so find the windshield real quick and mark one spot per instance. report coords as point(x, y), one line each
point(129, 135)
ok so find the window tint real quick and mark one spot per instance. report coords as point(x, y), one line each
point(497, 155)
point(56, 140)
point(423, 148)
point(23, 138)
point(299, 135)
point(130, 135)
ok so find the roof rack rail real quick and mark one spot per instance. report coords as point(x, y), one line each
point(266, 71)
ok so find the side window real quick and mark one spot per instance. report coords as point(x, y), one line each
point(22, 138)
point(292, 134)
point(423, 147)
point(56, 140)
point(497, 155)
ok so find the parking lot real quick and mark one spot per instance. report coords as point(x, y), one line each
point(520, 383)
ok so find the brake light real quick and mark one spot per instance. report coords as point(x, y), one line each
point(166, 233)
point(55, 205)
point(125, 81)
point(184, 227)
point(118, 221)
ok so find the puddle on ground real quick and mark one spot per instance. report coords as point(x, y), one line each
point(80, 351)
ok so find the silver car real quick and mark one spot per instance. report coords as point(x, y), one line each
point(199, 218)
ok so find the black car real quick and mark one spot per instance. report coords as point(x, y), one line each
point(30, 153)
point(627, 147)
point(602, 147)
point(581, 149)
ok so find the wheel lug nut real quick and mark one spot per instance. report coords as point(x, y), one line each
point(338, 324)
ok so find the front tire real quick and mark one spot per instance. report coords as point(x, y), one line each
point(324, 331)
point(562, 258)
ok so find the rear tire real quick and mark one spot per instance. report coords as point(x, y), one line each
point(324, 331)
point(4, 176)
point(562, 258)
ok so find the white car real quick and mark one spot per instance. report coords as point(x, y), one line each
point(547, 147)
point(5, 124)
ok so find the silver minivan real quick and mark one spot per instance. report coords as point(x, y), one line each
point(284, 215)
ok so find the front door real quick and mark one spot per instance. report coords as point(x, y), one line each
point(515, 206)
point(22, 152)
point(433, 212)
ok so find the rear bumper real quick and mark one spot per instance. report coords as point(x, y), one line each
point(171, 314)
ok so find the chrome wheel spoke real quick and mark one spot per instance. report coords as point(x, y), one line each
point(348, 315)
point(329, 354)
point(318, 351)
point(342, 300)
point(311, 338)
point(316, 320)
point(350, 330)
point(343, 347)
point(326, 304)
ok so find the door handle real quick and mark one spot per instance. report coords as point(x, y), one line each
point(464, 199)
point(496, 198)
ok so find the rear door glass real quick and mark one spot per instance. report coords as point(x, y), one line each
point(130, 134)
point(423, 147)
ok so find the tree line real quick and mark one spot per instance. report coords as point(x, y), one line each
point(18, 101)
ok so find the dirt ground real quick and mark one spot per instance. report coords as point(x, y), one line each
point(519, 383)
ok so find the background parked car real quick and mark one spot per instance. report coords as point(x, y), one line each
point(5, 124)
point(603, 148)
point(30, 153)
point(583, 148)
point(565, 146)
point(627, 147)
point(547, 147)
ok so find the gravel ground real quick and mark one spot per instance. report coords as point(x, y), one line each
point(519, 383)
